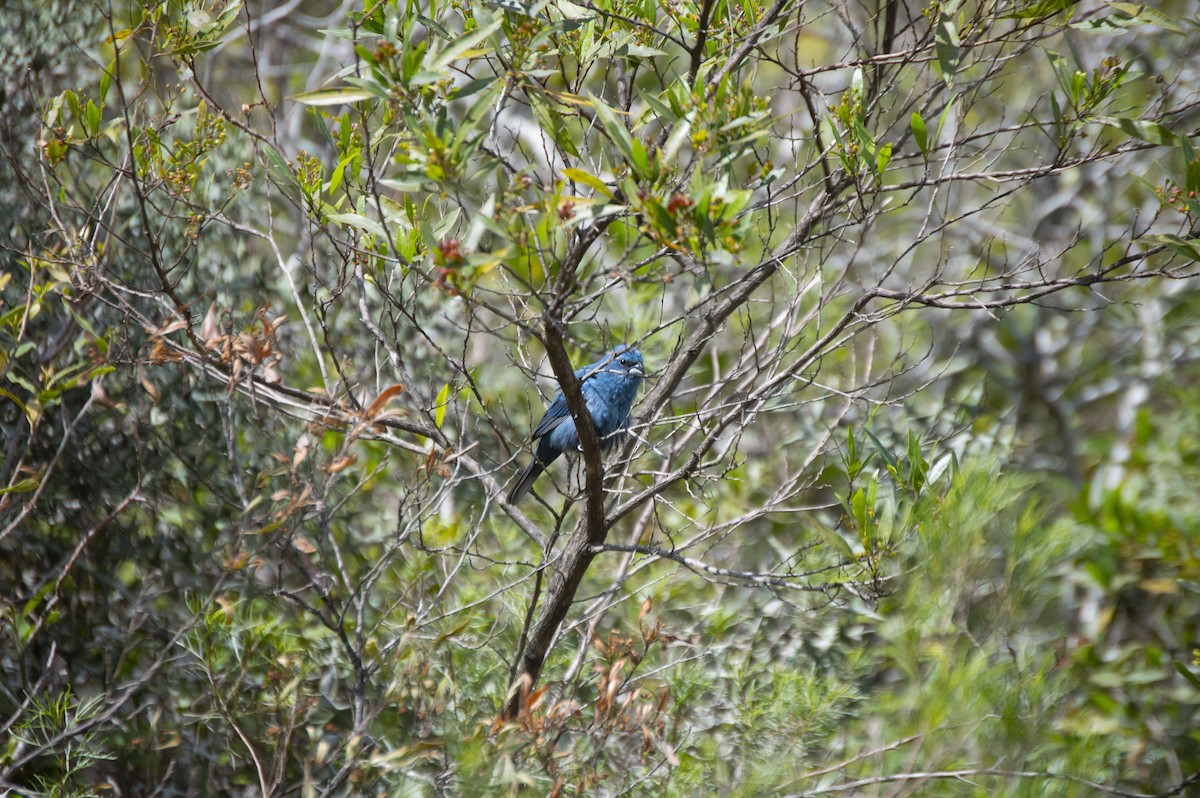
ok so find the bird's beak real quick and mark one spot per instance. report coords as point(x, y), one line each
point(638, 370)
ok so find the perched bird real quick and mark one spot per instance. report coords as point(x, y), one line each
point(609, 387)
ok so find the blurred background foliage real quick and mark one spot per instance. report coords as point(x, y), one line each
point(972, 532)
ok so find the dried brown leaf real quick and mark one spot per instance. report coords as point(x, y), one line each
point(303, 545)
point(536, 698)
point(270, 375)
point(168, 328)
point(303, 444)
point(342, 464)
point(155, 394)
point(384, 397)
point(210, 328)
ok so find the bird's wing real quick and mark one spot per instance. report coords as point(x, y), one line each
point(556, 414)
point(597, 393)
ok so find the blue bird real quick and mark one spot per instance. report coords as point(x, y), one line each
point(609, 387)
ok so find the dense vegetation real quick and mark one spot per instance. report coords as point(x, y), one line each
point(909, 507)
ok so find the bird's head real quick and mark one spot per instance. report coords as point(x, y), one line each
point(628, 360)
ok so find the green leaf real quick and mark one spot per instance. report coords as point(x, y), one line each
point(835, 540)
point(524, 9)
point(641, 159)
point(1186, 150)
point(1187, 674)
point(341, 96)
point(860, 510)
point(663, 111)
point(200, 19)
point(278, 167)
point(73, 103)
point(440, 404)
point(1077, 87)
point(944, 115)
point(432, 24)
point(918, 466)
point(641, 51)
point(1188, 248)
point(431, 239)
point(36, 598)
point(883, 158)
point(1191, 175)
point(472, 87)
point(857, 83)
point(1129, 15)
point(446, 224)
point(853, 466)
point(359, 222)
point(92, 114)
point(550, 120)
point(947, 44)
point(858, 504)
point(474, 121)
point(1144, 14)
point(443, 58)
point(920, 134)
point(681, 132)
point(580, 176)
point(1151, 132)
point(1043, 8)
point(31, 414)
point(1055, 110)
point(368, 85)
point(481, 221)
point(616, 131)
point(24, 486)
point(888, 458)
point(106, 79)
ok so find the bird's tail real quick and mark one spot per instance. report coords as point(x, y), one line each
point(531, 472)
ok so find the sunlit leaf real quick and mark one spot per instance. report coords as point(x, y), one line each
point(1151, 132)
point(1042, 8)
point(23, 486)
point(440, 404)
point(359, 222)
point(462, 47)
point(580, 176)
point(920, 134)
point(343, 96)
point(1129, 15)
point(946, 39)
